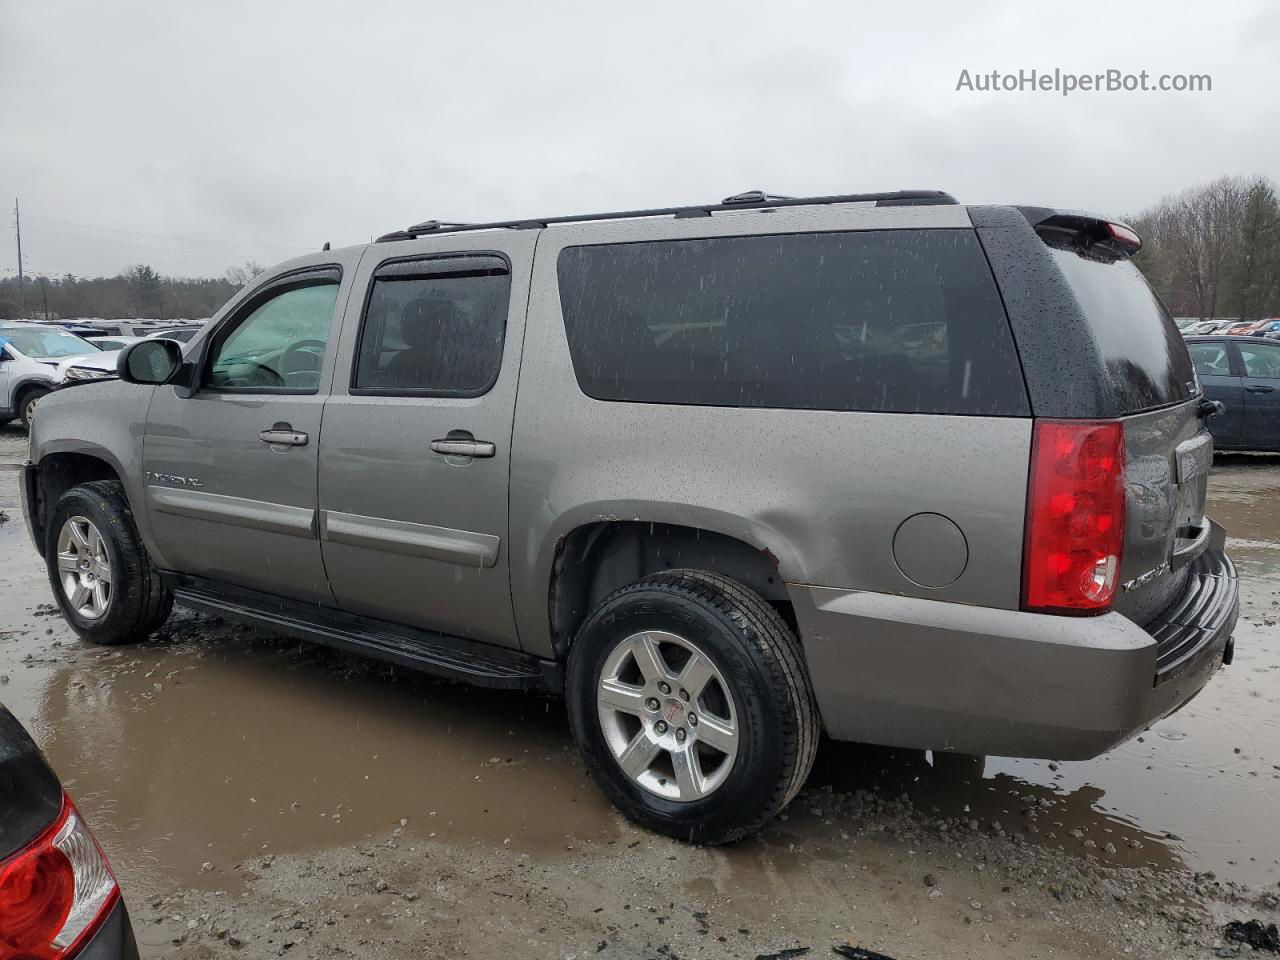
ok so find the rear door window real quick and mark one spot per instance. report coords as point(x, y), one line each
point(903, 321)
point(1260, 360)
point(1143, 355)
point(434, 327)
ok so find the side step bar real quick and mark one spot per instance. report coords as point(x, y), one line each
point(454, 658)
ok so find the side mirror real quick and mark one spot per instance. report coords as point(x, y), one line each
point(149, 362)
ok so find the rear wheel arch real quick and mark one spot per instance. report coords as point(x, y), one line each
point(597, 558)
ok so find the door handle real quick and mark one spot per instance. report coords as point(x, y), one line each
point(461, 447)
point(1258, 388)
point(283, 434)
point(1212, 408)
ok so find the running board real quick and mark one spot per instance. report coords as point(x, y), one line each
point(455, 658)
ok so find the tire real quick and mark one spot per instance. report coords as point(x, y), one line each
point(136, 600)
point(761, 686)
point(28, 404)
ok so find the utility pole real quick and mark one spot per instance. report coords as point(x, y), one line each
point(22, 284)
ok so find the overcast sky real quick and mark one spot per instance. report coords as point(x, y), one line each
point(132, 130)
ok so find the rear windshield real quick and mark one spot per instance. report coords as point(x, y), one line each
point(893, 321)
point(1144, 356)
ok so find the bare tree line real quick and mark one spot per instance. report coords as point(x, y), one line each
point(1214, 250)
point(137, 291)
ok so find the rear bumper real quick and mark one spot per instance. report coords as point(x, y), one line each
point(924, 674)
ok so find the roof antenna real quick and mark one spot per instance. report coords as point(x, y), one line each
point(326, 246)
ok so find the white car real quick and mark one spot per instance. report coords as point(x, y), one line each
point(96, 366)
point(31, 358)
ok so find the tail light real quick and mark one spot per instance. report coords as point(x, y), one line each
point(1075, 516)
point(55, 892)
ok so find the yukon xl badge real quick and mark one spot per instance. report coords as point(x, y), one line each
point(1146, 578)
point(169, 478)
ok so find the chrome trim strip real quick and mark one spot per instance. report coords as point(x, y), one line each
point(411, 539)
point(237, 511)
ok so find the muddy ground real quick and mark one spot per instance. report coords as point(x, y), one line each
point(260, 798)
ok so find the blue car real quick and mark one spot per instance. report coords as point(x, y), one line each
point(1243, 373)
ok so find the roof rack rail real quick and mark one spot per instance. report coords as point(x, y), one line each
point(751, 199)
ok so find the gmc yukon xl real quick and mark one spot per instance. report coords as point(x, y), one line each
point(886, 466)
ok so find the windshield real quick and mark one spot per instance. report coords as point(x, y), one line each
point(44, 344)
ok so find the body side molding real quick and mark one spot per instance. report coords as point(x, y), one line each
point(411, 539)
point(238, 511)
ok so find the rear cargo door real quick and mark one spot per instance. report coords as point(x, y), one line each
point(1151, 386)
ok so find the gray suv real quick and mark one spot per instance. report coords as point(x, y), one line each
point(885, 466)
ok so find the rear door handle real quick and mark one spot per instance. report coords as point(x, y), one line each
point(285, 435)
point(1258, 388)
point(463, 448)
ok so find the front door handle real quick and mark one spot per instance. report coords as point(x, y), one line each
point(1258, 388)
point(283, 434)
point(461, 447)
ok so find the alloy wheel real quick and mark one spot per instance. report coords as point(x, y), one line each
point(84, 568)
point(667, 715)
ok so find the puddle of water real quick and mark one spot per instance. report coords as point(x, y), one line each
point(219, 744)
point(216, 750)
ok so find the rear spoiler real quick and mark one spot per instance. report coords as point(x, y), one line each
point(1086, 233)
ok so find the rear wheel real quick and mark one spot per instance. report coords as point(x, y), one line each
point(690, 703)
point(27, 406)
point(102, 578)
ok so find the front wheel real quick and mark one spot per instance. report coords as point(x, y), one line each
point(102, 578)
point(690, 702)
point(27, 408)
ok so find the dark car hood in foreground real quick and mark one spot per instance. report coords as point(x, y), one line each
point(30, 795)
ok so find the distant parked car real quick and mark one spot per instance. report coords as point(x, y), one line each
point(1265, 328)
point(29, 356)
point(1243, 329)
point(1206, 326)
point(1243, 373)
point(114, 342)
point(58, 896)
